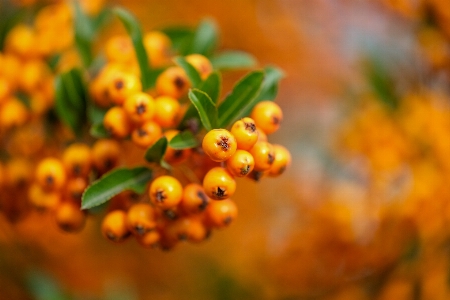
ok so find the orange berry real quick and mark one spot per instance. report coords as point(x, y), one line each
point(140, 107)
point(146, 135)
point(264, 155)
point(18, 172)
point(75, 188)
point(175, 156)
point(149, 239)
point(241, 163)
point(166, 111)
point(114, 226)
point(77, 160)
point(194, 199)
point(201, 64)
point(21, 41)
point(13, 113)
point(220, 214)
point(165, 192)
point(50, 174)
point(70, 217)
point(172, 82)
point(219, 184)
point(105, 155)
point(245, 133)
point(157, 45)
point(141, 218)
point(117, 123)
point(281, 162)
point(122, 85)
point(43, 199)
point(120, 49)
point(262, 137)
point(219, 144)
point(186, 229)
point(267, 116)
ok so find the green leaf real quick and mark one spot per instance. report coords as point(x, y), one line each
point(155, 153)
point(134, 30)
point(181, 38)
point(96, 114)
point(99, 131)
point(70, 99)
point(183, 140)
point(205, 38)
point(205, 107)
point(210, 86)
point(115, 182)
point(191, 72)
point(84, 35)
point(381, 82)
point(241, 98)
point(227, 60)
point(269, 88)
point(11, 16)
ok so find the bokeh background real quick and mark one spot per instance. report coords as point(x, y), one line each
point(362, 212)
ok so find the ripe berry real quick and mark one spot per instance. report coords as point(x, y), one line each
point(241, 163)
point(122, 85)
point(13, 113)
point(201, 64)
point(43, 199)
point(141, 218)
point(166, 111)
point(219, 184)
point(117, 123)
point(50, 174)
point(119, 48)
point(69, 217)
point(75, 188)
point(281, 162)
point(172, 82)
point(105, 155)
point(165, 192)
point(149, 239)
point(77, 160)
point(264, 155)
point(220, 214)
point(186, 229)
point(219, 144)
point(114, 226)
point(147, 134)
point(194, 199)
point(175, 156)
point(157, 45)
point(267, 116)
point(245, 133)
point(140, 107)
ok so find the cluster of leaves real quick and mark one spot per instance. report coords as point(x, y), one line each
point(206, 110)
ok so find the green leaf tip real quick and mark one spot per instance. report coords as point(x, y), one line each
point(113, 183)
point(206, 108)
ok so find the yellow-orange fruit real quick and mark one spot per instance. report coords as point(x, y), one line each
point(267, 116)
point(165, 192)
point(115, 227)
point(219, 144)
point(219, 184)
point(240, 164)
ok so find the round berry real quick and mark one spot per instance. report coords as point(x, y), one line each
point(141, 218)
point(140, 107)
point(245, 133)
point(172, 82)
point(147, 134)
point(241, 163)
point(267, 116)
point(264, 155)
point(219, 184)
point(122, 85)
point(201, 64)
point(117, 122)
point(77, 160)
point(219, 144)
point(281, 162)
point(69, 217)
point(194, 199)
point(165, 192)
point(166, 111)
point(105, 155)
point(50, 174)
point(149, 239)
point(114, 226)
point(220, 214)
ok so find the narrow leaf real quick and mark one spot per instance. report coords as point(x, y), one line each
point(84, 34)
point(240, 99)
point(205, 108)
point(156, 152)
point(191, 72)
point(229, 60)
point(115, 182)
point(205, 38)
point(183, 140)
point(210, 86)
point(181, 38)
point(134, 30)
point(99, 131)
point(65, 111)
point(269, 88)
